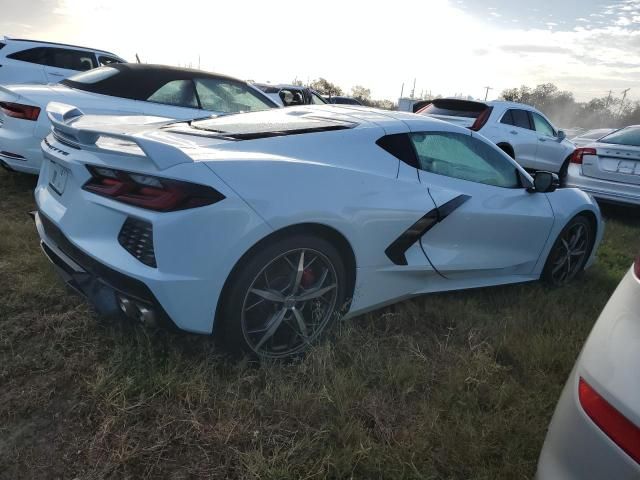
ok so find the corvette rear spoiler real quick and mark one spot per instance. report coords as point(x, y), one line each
point(67, 127)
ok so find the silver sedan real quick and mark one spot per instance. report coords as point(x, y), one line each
point(595, 430)
point(609, 169)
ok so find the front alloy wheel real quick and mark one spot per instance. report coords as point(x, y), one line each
point(570, 252)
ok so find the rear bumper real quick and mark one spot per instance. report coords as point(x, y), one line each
point(603, 189)
point(105, 288)
point(575, 447)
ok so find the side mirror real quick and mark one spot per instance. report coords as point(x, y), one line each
point(545, 182)
point(561, 135)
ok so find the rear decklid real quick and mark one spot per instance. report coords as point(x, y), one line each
point(617, 157)
point(460, 112)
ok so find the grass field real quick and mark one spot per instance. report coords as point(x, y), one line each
point(457, 385)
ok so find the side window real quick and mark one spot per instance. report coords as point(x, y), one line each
point(219, 95)
point(104, 60)
point(71, 59)
point(461, 156)
point(399, 145)
point(521, 119)
point(542, 126)
point(36, 55)
point(507, 118)
point(179, 93)
point(316, 100)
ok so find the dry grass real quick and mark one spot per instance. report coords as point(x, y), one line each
point(458, 385)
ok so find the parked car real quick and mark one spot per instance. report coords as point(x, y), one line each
point(343, 100)
point(291, 95)
point(523, 132)
point(609, 168)
point(34, 61)
point(125, 88)
point(595, 431)
point(264, 225)
point(590, 136)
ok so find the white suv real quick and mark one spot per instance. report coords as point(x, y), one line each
point(32, 61)
point(523, 132)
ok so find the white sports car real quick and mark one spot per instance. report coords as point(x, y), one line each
point(264, 225)
point(125, 89)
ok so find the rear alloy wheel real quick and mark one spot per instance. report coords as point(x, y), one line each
point(285, 298)
point(570, 252)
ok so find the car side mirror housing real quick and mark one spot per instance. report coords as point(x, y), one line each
point(561, 135)
point(545, 182)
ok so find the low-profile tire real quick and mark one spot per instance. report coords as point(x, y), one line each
point(283, 298)
point(570, 252)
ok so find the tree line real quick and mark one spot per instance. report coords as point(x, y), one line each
point(559, 105)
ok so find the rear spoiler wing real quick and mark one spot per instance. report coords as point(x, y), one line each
point(161, 154)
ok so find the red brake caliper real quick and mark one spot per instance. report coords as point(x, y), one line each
point(308, 278)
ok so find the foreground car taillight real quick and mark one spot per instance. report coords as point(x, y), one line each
point(578, 153)
point(149, 192)
point(18, 110)
point(636, 267)
point(623, 433)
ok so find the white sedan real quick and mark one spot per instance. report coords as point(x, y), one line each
point(127, 88)
point(264, 226)
point(595, 430)
point(609, 168)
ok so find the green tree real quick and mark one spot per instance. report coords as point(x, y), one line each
point(325, 87)
point(361, 93)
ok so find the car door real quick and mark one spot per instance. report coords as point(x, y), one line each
point(64, 62)
point(551, 152)
point(24, 66)
point(488, 225)
point(518, 132)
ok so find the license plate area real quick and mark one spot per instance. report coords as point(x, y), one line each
point(58, 177)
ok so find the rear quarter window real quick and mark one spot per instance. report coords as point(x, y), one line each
point(37, 55)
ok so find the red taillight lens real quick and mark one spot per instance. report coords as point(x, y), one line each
point(18, 110)
point(578, 153)
point(149, 192)
point(624, 433)
point(481, 120)
point(636, 267)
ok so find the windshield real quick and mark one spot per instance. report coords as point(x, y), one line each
point(625, 136)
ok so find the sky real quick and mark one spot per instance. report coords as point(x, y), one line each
point(450, 47)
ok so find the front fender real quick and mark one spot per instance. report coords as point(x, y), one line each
point(566, 203)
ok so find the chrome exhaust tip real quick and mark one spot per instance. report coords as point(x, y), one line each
point(147, 316)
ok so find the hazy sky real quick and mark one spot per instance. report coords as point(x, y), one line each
point(451, 47)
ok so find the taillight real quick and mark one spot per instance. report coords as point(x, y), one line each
point(18, 110)
point(623, 433)
point(636, 267)
point(578, 153)
point(481, 119)
point(149, 192)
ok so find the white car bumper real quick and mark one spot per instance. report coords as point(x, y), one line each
point(20, 150)
point(603, 189)
point(575, 447)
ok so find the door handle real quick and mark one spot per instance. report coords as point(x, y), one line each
point(542, 139)
point(513, 132)
point(56, 74)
